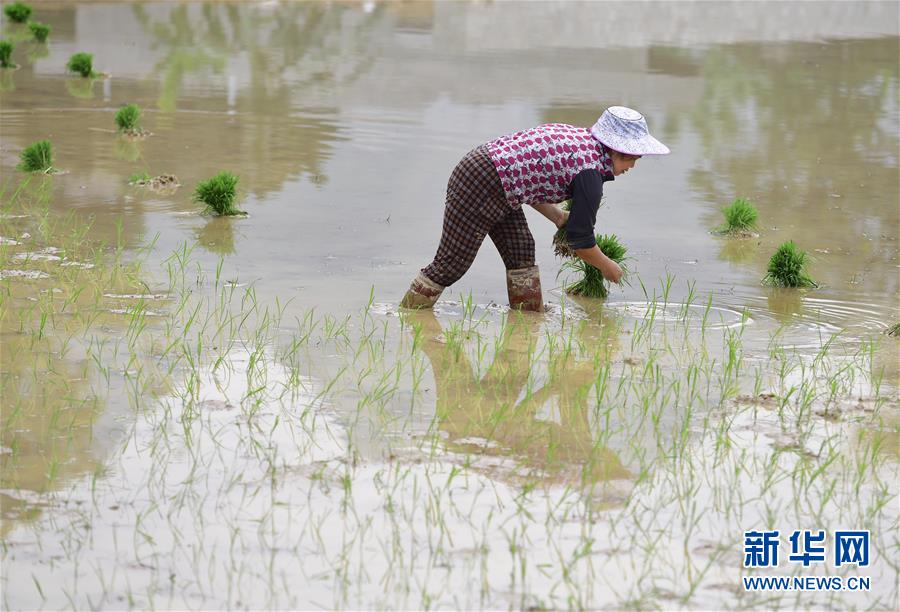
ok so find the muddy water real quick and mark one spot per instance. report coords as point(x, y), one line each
point(343, 122)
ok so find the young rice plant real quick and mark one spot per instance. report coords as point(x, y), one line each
point(218, 194)
point(592, 284)
point(37, 157)
point(787, 268)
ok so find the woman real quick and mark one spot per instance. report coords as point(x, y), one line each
point(539, 167)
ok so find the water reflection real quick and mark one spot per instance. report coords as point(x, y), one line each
point(503, 413)
point(217, 236)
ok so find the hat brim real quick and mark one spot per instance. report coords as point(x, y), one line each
point(645, 145)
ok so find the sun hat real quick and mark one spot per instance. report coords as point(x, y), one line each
point(625, 130)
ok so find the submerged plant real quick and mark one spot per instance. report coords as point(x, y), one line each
point(6, 49)
point(218, 194)
point(894, 330)
point(37, 157)
point(139, 178)
point(39, 30)
point(82, 63)
point(787, 268)
point(127, 118)
point(18, 12)
point(740, 217)
point(592, 284)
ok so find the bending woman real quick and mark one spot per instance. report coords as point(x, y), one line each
point(539, 167)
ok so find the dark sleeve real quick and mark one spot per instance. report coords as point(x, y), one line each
point(587, 189)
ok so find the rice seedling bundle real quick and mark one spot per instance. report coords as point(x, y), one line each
point(18, 12)
point(787, 268)
point(740, 217)
point(127, 118)
point(218, 194)
point(39, 30)
point(82, 63)
point(37, 157)
point(6, 49)
point(591, 283)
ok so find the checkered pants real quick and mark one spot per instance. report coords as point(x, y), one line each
point(476, 207)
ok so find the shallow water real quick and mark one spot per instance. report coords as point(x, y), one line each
point(462, 469)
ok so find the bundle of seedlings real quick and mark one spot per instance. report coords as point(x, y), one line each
point(740, 218)
point(127, 121)
point(560, 238)
point(18, 12)
point(83, 64)
point(787, 268)
point(6, 49)
point(592, 284)
point(218, 194)
point(37, 157)
point(39, 30)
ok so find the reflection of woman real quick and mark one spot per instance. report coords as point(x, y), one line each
point(471, 409)
point(539, 167)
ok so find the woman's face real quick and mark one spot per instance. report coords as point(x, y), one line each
point(622, 162)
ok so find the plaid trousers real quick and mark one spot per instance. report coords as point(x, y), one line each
point(476, 207)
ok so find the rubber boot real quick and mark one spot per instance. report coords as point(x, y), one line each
point(524, 288)
point(423, 293)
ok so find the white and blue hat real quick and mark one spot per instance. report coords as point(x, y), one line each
point(625, 130)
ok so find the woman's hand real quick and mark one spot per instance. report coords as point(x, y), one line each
point(557, 215)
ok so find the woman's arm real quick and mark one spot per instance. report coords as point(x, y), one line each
point(553, 212)
point(610, 270)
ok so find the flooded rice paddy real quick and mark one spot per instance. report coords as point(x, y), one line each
point(206, 413)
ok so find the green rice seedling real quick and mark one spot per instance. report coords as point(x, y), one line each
point(18, 12)
point(127, 118)
point(218, 194)
point(787, 268)
point(82, 63)
point(6, 49)
point(138, 178)
point(39, 30)
point(592, 284)
point(37, 157)
point(740, 217)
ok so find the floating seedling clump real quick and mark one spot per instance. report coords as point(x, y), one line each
point(218, 194)
point(127, 120)
point(740, 218)
point(82, 63)
point(6, 49)
point(37, 157)
point(894, 330)
point(787, 268)
point(592, 284)
point(39, 30)
point(18, 12)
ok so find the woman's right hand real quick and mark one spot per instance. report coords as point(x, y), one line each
point(612, 271)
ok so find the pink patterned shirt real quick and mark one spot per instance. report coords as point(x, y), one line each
point(538, 164)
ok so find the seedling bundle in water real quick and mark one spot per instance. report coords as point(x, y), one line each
point(592, 284)
point(561, 238)
point(18, 12)
point(39, 30)
point(127, 119)
point(37, 157)
point(6, 49)
point(218, 194)
point(740, 218)
point(787, 268)
point(82, 63)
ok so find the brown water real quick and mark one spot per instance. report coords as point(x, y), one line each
point(343, 122)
